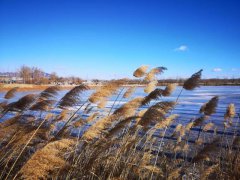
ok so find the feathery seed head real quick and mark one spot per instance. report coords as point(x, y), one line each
point(11, 93)
point(150, 87)
point(72, 97)
point(193, 81)
point(230, 112)
point(129, 92)
point(169, 89)
point(141, 71)
point(210, 107)
point(154, 95)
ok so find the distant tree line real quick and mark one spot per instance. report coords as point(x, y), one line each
point(34, 75)
point(204, 82)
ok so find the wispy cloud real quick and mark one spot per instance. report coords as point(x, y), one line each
point(217, 69)
point(182, 48)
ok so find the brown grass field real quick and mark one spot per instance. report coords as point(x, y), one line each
point(127, 142)
point(29, 87)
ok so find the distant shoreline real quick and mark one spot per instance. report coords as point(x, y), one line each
point(33, 87)
point(29, 87)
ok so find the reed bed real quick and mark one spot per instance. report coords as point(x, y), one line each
point(139, 139)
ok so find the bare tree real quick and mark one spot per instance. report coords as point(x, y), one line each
point(53, 77)
point(37, 75)
point(25, 74)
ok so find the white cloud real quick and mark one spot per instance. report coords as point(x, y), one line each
point(217, 70)
point(182, 48)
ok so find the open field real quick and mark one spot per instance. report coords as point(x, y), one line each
point(28, 87)
point(32, 87)
point(119, 132)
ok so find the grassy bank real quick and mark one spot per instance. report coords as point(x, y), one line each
point(30, 87)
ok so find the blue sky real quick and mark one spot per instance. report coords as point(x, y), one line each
point(111, 38)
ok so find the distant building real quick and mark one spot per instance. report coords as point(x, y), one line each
point(4, 78)
point(92, 82)
point(10, 78)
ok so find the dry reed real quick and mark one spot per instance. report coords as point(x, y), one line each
point(129, 92)
point(155, 113)
point(150, 76)
point(122, 145)
point(193, 81)
point(22, 103)
point(11, 93)
point(48, 159)
point(150, 87)
point(141, 71)
point(230, 112)
point(105, 91)
point(72, 97)
point(210, 107)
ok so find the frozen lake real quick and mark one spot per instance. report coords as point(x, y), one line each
point(188, 105)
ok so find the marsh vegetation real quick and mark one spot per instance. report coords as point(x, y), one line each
point(136, 138)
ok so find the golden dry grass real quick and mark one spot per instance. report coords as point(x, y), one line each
point(140, 139)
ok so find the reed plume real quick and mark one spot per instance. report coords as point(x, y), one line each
point(157, 93)
point(72, 97)
point(48, 160)
point(189, 125)
point(150, 76)
point(230, 112)
point(105, 91)
point(150, 87)
point(11, 93)
point(78, 123)
point(155, 113)
point(193, 81)
point(92, 117)
point(119, 127)
point(42, 105)
point(169, 89)
point(140, 115)
point(22, 103)
point(129, 108)
point(210, 107)
point(140, 72)
point(166, 122)
point(178, 128)
point(125, 111)
point(97, 129)
point(154, 95)
point(208, 126)
point(199, 121)
point(49, 93)
point(129, 92)
point(63, 115)
point(182, 131)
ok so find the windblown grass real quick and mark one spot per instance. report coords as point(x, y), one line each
point(141, 139)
